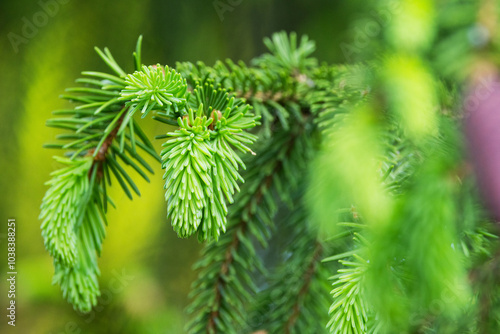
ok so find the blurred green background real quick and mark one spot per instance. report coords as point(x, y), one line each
point(146, 269)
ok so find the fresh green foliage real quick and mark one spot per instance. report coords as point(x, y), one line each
point(296, 297)
point(330, 198)
point(79, 283)
point(187, 159)
point(154, 87)
point(228, 266)
point(201, 166)
point(287, 55)
point(73, 230)
point(58, 214)
point(349, 313)
point(103, 136)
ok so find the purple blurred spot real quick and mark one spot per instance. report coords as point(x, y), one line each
point(482, 127)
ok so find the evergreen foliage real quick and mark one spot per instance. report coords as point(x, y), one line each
point(154, 86)
point(73, 230)
point(355, 211)
point(296, 296)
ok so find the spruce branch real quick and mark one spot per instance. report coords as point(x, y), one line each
point(225, 286)
point(103, 131)
point(286, 54)
point(73, 209)
point(57, 210)
point(187, 159)
point(154, 87)
point(294, 298)
point(79, 282)
point(200, 161)
point(307, 280)
point(276, 85)
point(387, 146)
point(349, 313)
point(73, 230)
point(215, 109)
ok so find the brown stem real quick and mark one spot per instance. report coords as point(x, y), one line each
point(100, 157)
point(264, 96)
point(275, 96)
point(308, 276)
point(228, 257)
point(241, 227)
point(214, 117)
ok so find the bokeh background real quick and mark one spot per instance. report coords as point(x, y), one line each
point(146, 269)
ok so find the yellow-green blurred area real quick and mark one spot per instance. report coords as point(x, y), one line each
point(44, 45)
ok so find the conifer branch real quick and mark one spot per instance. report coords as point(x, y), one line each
point(100, 156)
point(307, 279)
point(298, 286)
point(213, 125)
point(227, 265)
point(385, 144)
point(240, 229)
